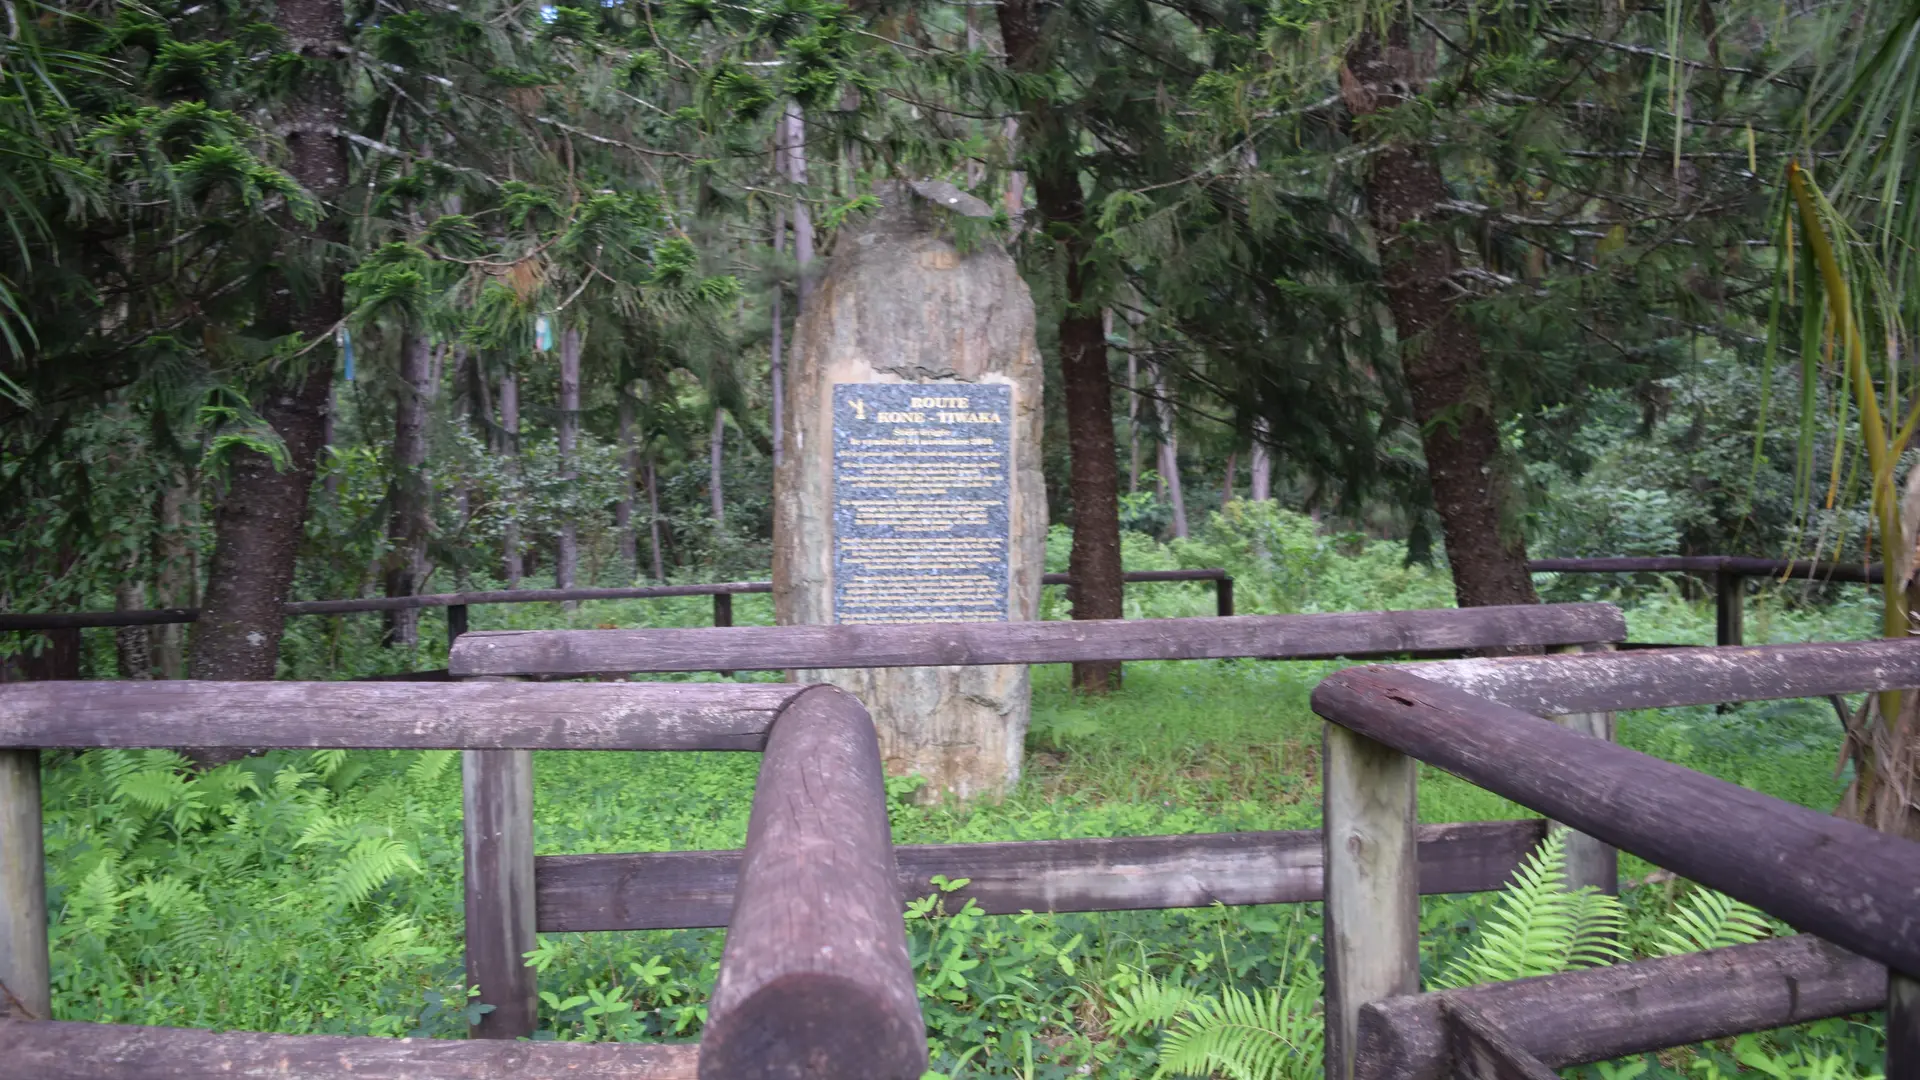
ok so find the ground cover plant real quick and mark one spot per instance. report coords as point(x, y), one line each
point(320, 891)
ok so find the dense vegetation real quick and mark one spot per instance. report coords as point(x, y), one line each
point(1365, 302)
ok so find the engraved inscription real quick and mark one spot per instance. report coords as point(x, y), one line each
point(921, 502)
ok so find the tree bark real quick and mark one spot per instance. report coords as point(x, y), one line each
point(515, 565)
point(408, 493)
point(1226, 489)
point(795, 150)
point(260, 522)
point(566, 562)
point(623, 510)
point(1085, 383)
point(1170, 456)
point(716, 451)
point(1440, 352)
point(173, 569)
point(132, 644)
point(1260, 464)
point(653, 520)
point(776, 359)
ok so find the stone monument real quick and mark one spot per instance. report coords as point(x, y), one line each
point(909, 487)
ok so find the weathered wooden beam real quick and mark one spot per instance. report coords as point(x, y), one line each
point(68, 620)
point(497, 800)
point(814, 979)
point(1651, 679)
point(1372, 908)
point(24, 982)
point(675, 890)
point(1482, 1051)
point(467, 715)
point(1608, 1012)
point(1712, 564)
point(71, 1051)
point(774, 648)
point(1826, 876)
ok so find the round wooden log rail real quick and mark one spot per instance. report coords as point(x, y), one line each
point(1609, 1012)
point(1841, 881)
point(76, 1051)
point(1648, 679)
point(774, 648)
point(469, 715)
point(814, 980)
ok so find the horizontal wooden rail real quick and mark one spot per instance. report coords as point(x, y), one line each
point(56, 620)
point(1645, 679)
point(1712, 564)
point(465, 715)
point(678, 890)
point(54, 1050)
point(1825, 876)
point(773, 648)
point(814, 978)
point(1609, 1012)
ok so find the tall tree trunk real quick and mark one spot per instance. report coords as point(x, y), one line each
point(1085, 382)
point(566, 562)
point(515, 567)
point(1440, 352)
point(1260, 464)
point(1170, 456)
point(132, 644)
point(795, 150)
point(261, 519)
point(1016, 194)
point(408, 493)
point(173, 569)
point(1133, 404)
point(623, 510)
point(1226, 489)
point(653, 520)
point(776, 353)
point(716, 450)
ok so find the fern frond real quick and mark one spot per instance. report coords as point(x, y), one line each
point(1711, 920)
point(1268, 1035)
point(369, 864)
point(428, 766)
point(1540, 927)
point(1153, 1003)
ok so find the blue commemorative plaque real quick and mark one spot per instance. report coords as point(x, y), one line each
point(921, 501)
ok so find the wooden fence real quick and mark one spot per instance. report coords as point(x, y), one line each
point(61, 660)
point(1830, 878)
point(1728, 573)
point(797, 888)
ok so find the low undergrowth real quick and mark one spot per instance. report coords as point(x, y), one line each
point(320, 892)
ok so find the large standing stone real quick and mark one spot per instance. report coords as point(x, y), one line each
point(932, 441)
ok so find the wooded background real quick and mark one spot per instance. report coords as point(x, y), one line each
point(316, 300)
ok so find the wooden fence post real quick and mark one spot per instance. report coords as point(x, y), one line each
point(23, 890)
point(1372, 908)
point(497, 799)
point(1223, 596)
point(1590, 861)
